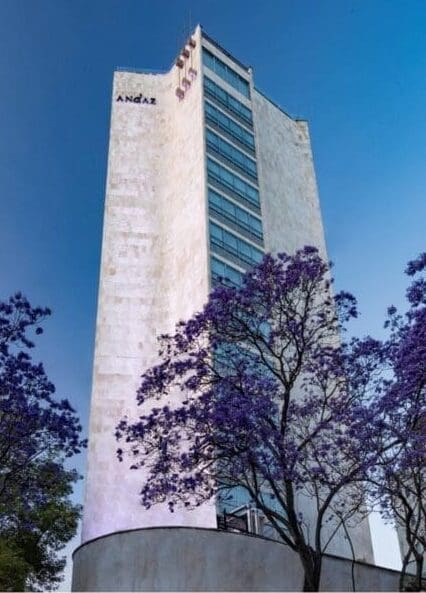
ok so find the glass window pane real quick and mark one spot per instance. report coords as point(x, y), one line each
point(216, 231)
point(227, 100)
point(226, 72)
point(232, 181)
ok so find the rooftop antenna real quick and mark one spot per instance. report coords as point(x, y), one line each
point(189, 23)
point(181, 38)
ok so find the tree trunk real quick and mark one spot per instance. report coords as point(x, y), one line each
point(311, 562)
point(403, 571)
point(419, 571)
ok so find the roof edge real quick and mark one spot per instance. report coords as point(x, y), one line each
point(223, 50)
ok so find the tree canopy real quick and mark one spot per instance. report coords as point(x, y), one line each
point(254, 396)
point(38, 432)
point(259, 392)
point(397, 483)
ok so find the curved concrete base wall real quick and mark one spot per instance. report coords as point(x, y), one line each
point(190, 559)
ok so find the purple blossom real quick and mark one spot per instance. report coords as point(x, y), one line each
point(259, 386)
point(34, 425)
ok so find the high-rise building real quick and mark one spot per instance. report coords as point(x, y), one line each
point(205, 175)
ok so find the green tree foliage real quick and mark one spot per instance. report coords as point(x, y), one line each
point(35, 526)
point(13, 568)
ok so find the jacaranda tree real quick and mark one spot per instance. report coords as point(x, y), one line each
point(398, 481)
point(37, 433)
point(253, 393)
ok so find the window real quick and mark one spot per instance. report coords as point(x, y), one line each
point(226, 73)
point(228, 126)
point(225, 240)
point(226, 272)
point(235, 214)
point(228, 180)
point(214, 91)
point(231, 154)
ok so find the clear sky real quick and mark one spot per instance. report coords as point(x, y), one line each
point(356, 70)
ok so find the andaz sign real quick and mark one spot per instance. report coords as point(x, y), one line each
point(137, 99)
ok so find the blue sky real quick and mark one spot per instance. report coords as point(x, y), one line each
point(355, 69)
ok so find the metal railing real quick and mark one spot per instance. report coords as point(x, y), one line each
point(246, 519)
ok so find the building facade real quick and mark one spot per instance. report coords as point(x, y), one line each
point(205, 175)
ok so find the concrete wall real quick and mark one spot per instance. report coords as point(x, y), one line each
point(184, 559)
point(153, 272)
point(290, 205)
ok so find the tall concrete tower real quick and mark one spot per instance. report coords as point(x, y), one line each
point(205, 174)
